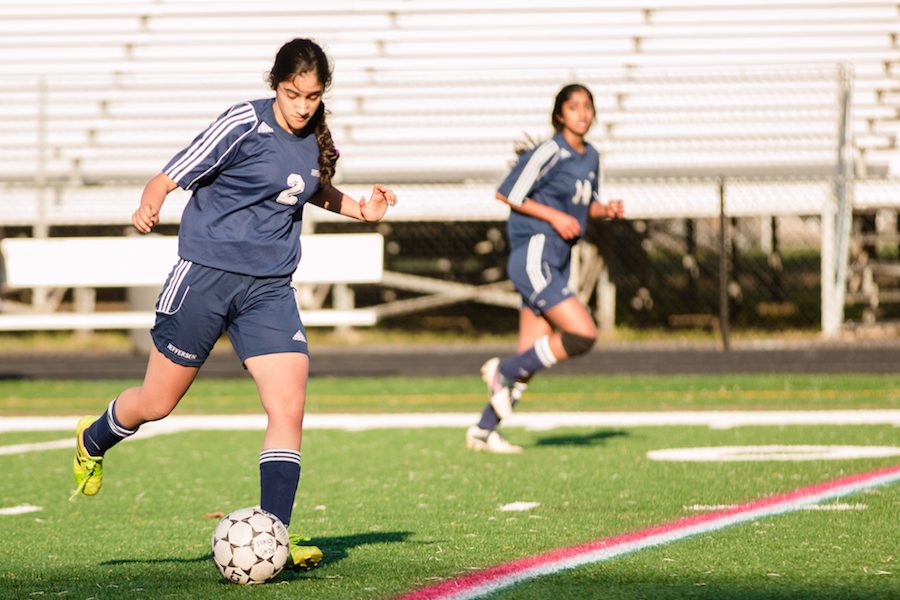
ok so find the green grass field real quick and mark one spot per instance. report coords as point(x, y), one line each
point(398, 509)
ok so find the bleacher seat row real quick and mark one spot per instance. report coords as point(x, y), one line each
point(109, 89)
point(431, 95)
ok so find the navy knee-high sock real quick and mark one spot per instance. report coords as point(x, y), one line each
point(489, 419)
point(105, 432)
point(279, 474)
point(525, 364)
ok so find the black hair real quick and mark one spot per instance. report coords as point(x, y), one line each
point(556, 116)
point(561, 98)
point(297, 57)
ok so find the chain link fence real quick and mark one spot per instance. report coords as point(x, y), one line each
point(764, 144)
point(665, 266)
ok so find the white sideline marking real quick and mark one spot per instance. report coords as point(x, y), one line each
point(493, 579)
point(707, 507)
point(20, 510)
point(536, 421)
point(517, 506)
point(771, 453)
point(23, 448)
point(837, 506)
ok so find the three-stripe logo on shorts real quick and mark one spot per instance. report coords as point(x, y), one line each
point(534, 263)
point(170, 293)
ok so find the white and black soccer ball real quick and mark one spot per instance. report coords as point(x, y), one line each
point(250, 545)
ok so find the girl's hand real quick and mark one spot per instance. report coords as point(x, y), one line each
point(376, 206)
point(615, 209)
point(565, 225)
point(145, 218)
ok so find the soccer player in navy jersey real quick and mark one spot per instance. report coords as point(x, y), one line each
point(250, 173)
point(552, 191)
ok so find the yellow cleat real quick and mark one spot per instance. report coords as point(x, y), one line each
point(302, 558)
point(88, 469)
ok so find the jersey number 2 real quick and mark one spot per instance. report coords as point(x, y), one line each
point(289, 196)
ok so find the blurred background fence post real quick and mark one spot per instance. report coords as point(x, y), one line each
point(724, 278)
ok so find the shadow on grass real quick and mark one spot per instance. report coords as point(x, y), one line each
point(334, 548)
point(150, 561)
point(595, 438)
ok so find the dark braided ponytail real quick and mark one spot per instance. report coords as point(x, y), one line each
point(295, 58)
point(328, 154)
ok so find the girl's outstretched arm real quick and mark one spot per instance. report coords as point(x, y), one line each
point(373, 209)
point(614, 209)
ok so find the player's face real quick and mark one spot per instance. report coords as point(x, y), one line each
point(577, 113)
point(296, 101)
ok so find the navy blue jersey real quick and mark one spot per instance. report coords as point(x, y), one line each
point(250, 179)
point(554, 174)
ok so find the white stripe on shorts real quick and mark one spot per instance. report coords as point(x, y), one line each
point(167, 297)
point(534, 262)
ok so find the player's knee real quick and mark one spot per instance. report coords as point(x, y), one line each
point(288, 418)
point(576, 345)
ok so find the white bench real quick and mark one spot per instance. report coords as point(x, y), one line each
point(141, 264)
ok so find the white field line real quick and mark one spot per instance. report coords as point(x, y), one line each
point(529, 420)
point(536, 421)
point(482, 583)
point(20, 510)
point(771, 453)
point(518, 506)
point(835, 506)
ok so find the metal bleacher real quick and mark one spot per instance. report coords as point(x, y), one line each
point(436, 92)
point(430, 96)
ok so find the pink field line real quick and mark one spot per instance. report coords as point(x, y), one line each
point(502, 576)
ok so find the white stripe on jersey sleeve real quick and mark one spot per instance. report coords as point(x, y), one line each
point(212, 134)
point(529, 174)
point(200, 149)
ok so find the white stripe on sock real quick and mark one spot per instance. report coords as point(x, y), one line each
point(111, 421)
point(279, 455)
point(544, 353)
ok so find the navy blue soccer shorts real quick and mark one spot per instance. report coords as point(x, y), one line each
point(198, 303)
point(540, 272)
